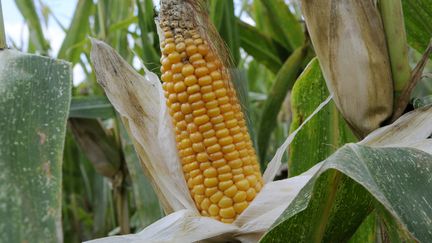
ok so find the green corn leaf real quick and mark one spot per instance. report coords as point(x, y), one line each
point(324, 133)
point(118, 11)
point(368, 231)
point(223, 16)
point(37, 38)
point(318, 139)
point(418, 19)
point(150, 46)
point(260, 46)
point(284, 81)
point(397, 178)
point(124, 24)
point(34, 102)
point(92, 107)
point(290, 33)
point(73, 44)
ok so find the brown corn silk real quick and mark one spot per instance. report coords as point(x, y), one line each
point(219, 162)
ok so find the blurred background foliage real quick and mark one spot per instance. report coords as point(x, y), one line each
point(105, 191)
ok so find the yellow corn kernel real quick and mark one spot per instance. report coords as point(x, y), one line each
point(240, 207)
point(227, 212)
point(228, 148)
point(205, 80)
point(177, 67)
point(252, 180)
point(219, 163)
point(240, 196)
point(216, 197)
point(243, 185)
point(227, 221)
point(210, 172)
point(211, 104)
point(251, 193)
point(223, 185)
point(193, 89)
point(205, 204)
point(213, 210)
point(209, 134)
point(214, 148)
point(204, 165)
point(206, 89)
point(190, 79)
point(231, 191)
point(226, 176)
point(225, 202)
point(198, 198)
point(190, 50)
point(211, 182)
point(210, 191)
point(202, 157)
point(195, 57)
point(194, 173)
point(224, 169)
point(180, 47)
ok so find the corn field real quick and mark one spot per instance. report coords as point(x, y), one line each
point(217, 121)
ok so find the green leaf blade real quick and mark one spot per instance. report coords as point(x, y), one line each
point(92, 107)
point(284, 81)
point(223, 16)
point(73, 43)
point(37, 38)
point(325, 132)
point(418, 16)
point(260, 46)
point(396, 177)
point(34, 102)
point(290, 33)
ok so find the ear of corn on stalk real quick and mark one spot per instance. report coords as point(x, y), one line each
point(139, 101)
point(219, 162)
point(349, 41)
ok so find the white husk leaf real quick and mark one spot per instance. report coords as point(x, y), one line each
point(140, 102)
point(349, 41)
point(424, 145)
point(411, 128)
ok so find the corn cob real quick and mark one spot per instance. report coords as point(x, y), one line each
point(219, 162)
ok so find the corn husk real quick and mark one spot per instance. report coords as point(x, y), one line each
point(140, 102)
point(412, 128)
point(349, 41)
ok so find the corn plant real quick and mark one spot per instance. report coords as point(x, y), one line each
point(246, 121)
